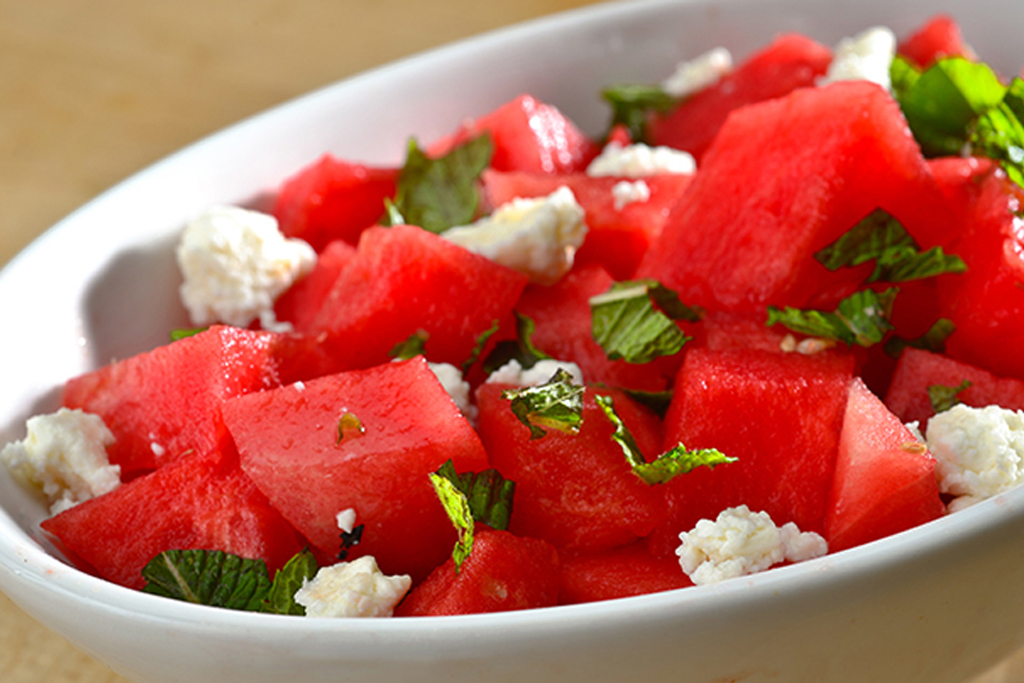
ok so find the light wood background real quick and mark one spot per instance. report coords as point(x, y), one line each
point(94, 90)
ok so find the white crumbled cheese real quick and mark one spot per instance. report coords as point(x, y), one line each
point(625, 192)
point(352, 589)
point(640, 161)
point(65, 456)
point(543, 370)
point(537, 237)
point(915, 429)
point(741, 542)
point(346, 520)
point(235, 263)
point(979, 452)
point(864, 57)
point(458, 388)
point(698, 73)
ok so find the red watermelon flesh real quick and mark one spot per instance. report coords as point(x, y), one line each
point(504, 572)
point(917, 370)
point(202, 501)
point(561, 313)
point(289, 446)
point(333, 199)
point(574, 490)
point(617, 238)
point(528, 135)
point(403, 280)
point(937, 38)
point(301, 303)
point(619, 573)
point(165, 403)
point(884, 479)
point(791, 61)
point(779, 414)
point(784, 179)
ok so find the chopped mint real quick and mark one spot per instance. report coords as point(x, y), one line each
point(208, 577)
point(456, 506)
point(677, 461)
point(557, 404)
point(488, 493)
point(944, 397)
point(437, 194)
point(183, 333)
point(627, 325)
point(287, 581)
point(478, 348)
point(933, 340)
point(392, 216)
point(411, 347)
point(861, 318)
point(521, 349)
point(349, 427)
point(999, 132)
point(633, 104)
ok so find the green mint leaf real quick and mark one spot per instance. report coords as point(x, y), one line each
point(456, 506)
point(903, 75)
point(437, 194)
point(861, 318)
point(627, 325)
point(903, 265)
point(184, 333)
point(411, 347)
point(478, 348)
point(622, 436)
point(632, 106)
point(933, 340)
point(944, 397)
point(999, 132)
point(557, 404)
point(208, 577)
point(678, 461)
point(489, 494)
point(942, 103)
point(658, 401)
point(392, 216)
point(521, 350)
point(289, 579)
point(349, 427)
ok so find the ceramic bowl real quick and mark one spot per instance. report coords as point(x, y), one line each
point(937, 603)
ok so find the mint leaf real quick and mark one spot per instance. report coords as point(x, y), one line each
point(392, 216)
point(999, 132)
point(488, 493)
point(521, 350)
point(626, 324)
point(208, 577)
point(944, 397)
point(667, 465)
point(933, 340)
point(456, 506)
point(557, 404)
point(184, 333)
point(861, 318)
point(632, 106)
point(289, 579)
point(411, 347)
point(478, 348)
point(437, 194)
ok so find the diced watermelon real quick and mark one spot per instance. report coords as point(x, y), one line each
point(791, 61)
point(617, 238)
point(165, 403)
point(574, 490)
point(618, 573)
point(333, 199)
point(884, 479)
point(917, 370)
point(289, 444)
point(784, 179)
point(528, 135)
point(939, 37)
point(561, 313)
point(302, 302)
point(404, 280)
point(780, 414)
point(503, 573)
point(203, 501)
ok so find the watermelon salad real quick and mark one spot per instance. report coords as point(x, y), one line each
point(771, 313)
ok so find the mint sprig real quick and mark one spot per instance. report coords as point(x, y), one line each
point(861, 318)
point(413, 346)
point(208, 577)
point(626, 323)
point(933, 340)
point(437, 194)
point(944, 397)
point(478, 348)
point(488, 493)
point(632, 106)
point(556, 404)
point(999, 132)
point(287, 581)
point(456, 506)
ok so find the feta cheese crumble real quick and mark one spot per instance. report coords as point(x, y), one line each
point(698, 73)
point(864, 57)
point(346, 520)
point(640, 161)
point(458, 388)
point(235, 263)
point(979, 452)
point(741, 542)
point(537, 237)
point(513, 373)
point(625, 192)
point(65, 456)
point(352, 589)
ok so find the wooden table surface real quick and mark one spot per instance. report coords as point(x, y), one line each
point(94, 90)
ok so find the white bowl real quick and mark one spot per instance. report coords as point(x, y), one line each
point(937, 603)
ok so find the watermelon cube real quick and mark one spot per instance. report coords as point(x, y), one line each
point(937, 38)
point(619, 573)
